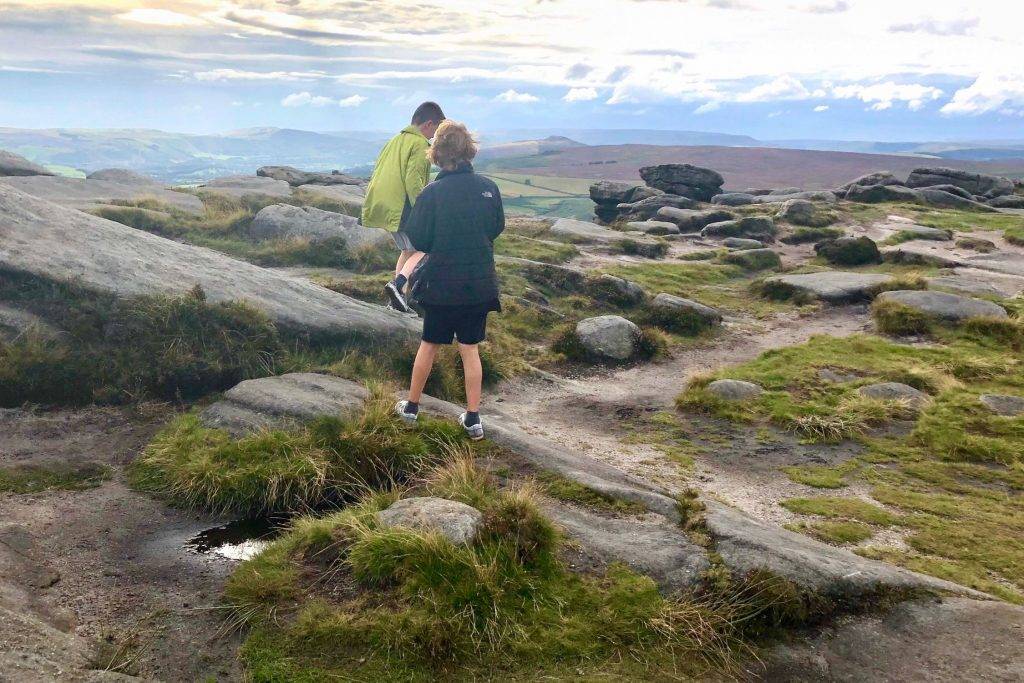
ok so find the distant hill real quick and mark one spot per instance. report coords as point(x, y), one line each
point(181, 157)
point(522, 148)
point(623, 136)
point(742, 167)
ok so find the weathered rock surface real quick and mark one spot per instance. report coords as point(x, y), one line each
point(760, 228)
point(951, 189)
point(834, 286)
point(797, 212)
point(270, 402)
point(753, 259)
point(583, 231)
point(616, 290)
point(83, 193)
point(12, 164)
point(456, 521)
point(649, 207)
point(927, 640)
point(734, 389)
point(1002, 262)
point(923, 232)
point(652, 547)
point(51, 241)
point(609, 192)
point(874, 194)
point(1009, 201)
point(921, 253)
point(944, 306)
point(849, 251)
point(742, 243)
point(1003, 404)
point(895, 391)
point(672, 304)
point(946, 200)
point(121, 175)
point(733, 199)
point(295, 177)
point(15, 323)
point(746, 544)
point(826, 196)
point(684, 180)
point(693, 220)
point(242, 185)
point(974, 183)
point(609, 337)
point(974, 281)
point(349, 197)
point(879, 178)
point(282, 221)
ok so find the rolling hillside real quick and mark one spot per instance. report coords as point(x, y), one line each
point(742, 166)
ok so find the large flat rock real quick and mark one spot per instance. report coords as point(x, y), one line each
point(1010, 263)
point(834, 286)
point(242, 185)
point(297, 397)
point(55, 242)
point(86, 193)
point(351, 197)
point(746, 545)
point(943, 305)
point(933, 641)
point(282, 221)
point(582, 231)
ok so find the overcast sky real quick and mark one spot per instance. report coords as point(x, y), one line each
point(845, 69)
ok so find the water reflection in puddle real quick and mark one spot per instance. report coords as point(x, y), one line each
point(238, 540)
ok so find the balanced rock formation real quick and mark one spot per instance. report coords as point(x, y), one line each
point(296, 178)
point(53, 242)
point(608, 194)
point(684, 180)
point(977, 184)
point(12, 164)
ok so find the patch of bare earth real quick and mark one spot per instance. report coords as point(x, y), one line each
point(124, 574)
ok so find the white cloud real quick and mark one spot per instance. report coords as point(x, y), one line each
point(882, 96)
point(351, 101)
point(935, 27)
point(821, 107)
point(580, 95)
point(782, 88)
point(303, 99)
point(241, 75)
point(991, 92)
point(160, 17)
point(708, 107)
point(516, 97)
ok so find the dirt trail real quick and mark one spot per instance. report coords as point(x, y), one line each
point(124, 574)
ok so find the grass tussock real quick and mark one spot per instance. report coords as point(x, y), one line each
point(569, 491)
point(805, 235)
point(344, 596)
point(657, 249)
point(651, 344)
point(327, 461)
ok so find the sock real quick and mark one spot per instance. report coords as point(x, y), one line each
point(412, 408)
point(472, 419)
point(400, 281)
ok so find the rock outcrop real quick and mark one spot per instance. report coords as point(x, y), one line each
point(296, 178)
point(761, 228)
point(608, 194)
point(684, 180)
point(242, 185)
point(671, 305)
point(456, 521)
point(834, 286)
point(649, 207)
point(282, 221)
point(51, 241)
point(944, 306)
point(12, 164)
point(849, 251)
point(121, 175)
point(85, 193)
point(609, 337)
point(977, 184)
point(879, 178)
point(946, 200)
point(875, 194)
point(692, 220)
point(895, 391)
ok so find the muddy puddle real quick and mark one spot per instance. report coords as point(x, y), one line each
point(238, 540)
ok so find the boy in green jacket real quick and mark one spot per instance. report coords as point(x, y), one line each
point(401, 173)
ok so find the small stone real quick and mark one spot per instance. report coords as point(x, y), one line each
point(734, 389)
point(742, 243)
point(456, 521)
point(753, 259)
point(652, 227)
point(895, 391)
point(849, 251)
point(733, 199)
point(669, 303)
point(617, 290)
point(608, 337)
point(798, 212)
point(1001, 404)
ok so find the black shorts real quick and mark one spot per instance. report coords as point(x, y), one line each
point(442, 324)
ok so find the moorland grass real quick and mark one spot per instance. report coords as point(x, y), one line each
point(412, 606)
point(326, 462)
point(520, 246)
point(57, 475)
point(841, 532)
point(954, 477)
point(805, 234)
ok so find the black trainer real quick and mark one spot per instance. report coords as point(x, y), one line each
point(395, 297)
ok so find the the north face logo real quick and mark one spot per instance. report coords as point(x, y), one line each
point(488, 195)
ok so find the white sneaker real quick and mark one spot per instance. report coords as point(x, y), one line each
point(408, 418)
point(395, 298)
point(475, 432)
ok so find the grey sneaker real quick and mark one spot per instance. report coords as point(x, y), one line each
point(408, 418)
point(475, 432)
point(395, 298)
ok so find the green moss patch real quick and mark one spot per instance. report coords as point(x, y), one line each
point(804, 235)
point(838, 533)
point(520, 246)
point(570, 491)
point(62, 476)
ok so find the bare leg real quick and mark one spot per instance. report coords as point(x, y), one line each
point(421, 370)
point(402, 258)
point(410, 262)
point(474, 373)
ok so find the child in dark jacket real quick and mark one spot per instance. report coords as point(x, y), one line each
point(455, 221)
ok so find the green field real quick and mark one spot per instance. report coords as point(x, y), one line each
point(536, 195)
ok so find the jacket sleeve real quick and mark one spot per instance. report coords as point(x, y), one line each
point(499, 218)
point(419, 227)
point(417, 173)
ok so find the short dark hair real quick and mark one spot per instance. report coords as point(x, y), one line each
point(427, 112)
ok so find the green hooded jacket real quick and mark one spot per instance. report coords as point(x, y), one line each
point(401, 173)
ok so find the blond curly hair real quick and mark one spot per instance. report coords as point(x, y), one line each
point(453, 145)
